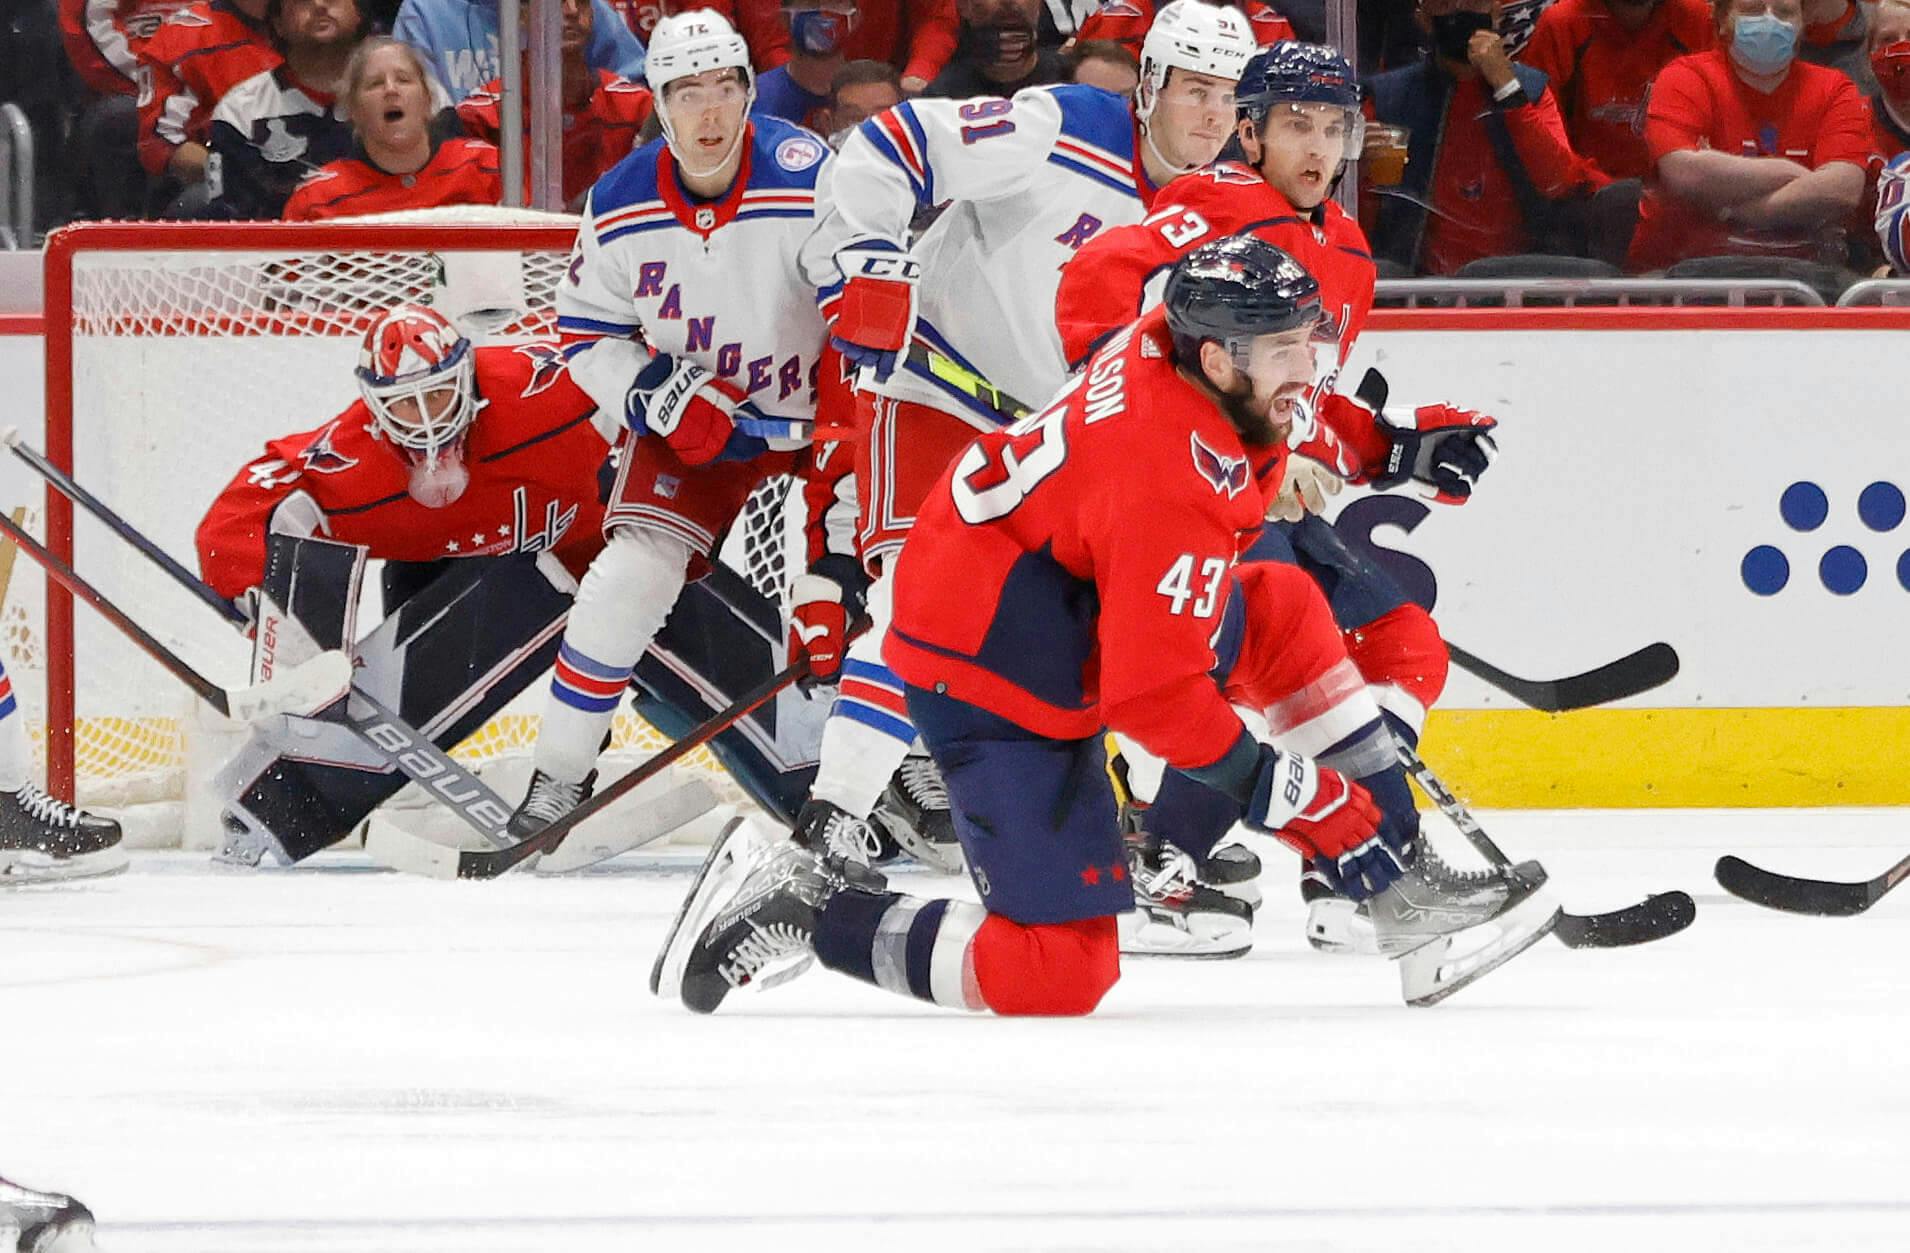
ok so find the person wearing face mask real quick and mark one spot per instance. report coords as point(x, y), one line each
point(916, 36)
point(999, 53)
point(1027, 182)
point(1488, 157)
point(798, 89)
point(1754, 152)
point(396, 162)
point(1600, 57)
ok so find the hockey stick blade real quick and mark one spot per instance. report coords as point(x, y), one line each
point(1654, 918)
point(1651, 666)
point(1820, 897)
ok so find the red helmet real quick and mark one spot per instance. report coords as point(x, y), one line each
point(414, 353)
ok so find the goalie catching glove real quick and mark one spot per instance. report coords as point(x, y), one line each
point(694, 412)
point(876, 318)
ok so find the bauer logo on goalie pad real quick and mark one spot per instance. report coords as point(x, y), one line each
point(1227, 475)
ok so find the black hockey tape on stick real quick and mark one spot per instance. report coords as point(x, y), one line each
point(1657, 916)
point(1651, 666)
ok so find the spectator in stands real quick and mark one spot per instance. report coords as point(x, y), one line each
point(603, 114)
point(1488, 162)
point(863, 89)
point(998, 54)
point(195, 57)
point(1105, 64)
point(1888, 52)
point(395, 162)
point(276, 127)
point(798, 89)
point(1753, 151)
point(102, 39)
point(1836, 34)
point(1126, 21)
point(916, 36)
point(459, 41)
point(1600, 57)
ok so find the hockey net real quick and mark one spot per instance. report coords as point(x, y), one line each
point(174, 352)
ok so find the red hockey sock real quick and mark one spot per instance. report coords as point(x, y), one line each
point(1403, 659)
point(1057, 968)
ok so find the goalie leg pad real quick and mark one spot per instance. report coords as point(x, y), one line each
point(622, 603)
point(445, 662)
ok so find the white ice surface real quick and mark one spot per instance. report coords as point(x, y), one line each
point(334, 1058)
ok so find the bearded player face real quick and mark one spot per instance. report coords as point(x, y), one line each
point(1259, 385)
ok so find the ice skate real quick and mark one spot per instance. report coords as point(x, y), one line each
point(914, 812)
point(546, 801)
point(42, 838)
point(1175, 914)
point(831, 831)
point(46, 1222)
point(1334, 923)
point(1448, 928)
point(749, 919)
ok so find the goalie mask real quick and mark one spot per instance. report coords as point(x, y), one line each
point(418, 376)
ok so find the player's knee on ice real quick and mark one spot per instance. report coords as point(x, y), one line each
point(1059, 969)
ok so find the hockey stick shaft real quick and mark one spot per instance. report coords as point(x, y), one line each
point(478, 865)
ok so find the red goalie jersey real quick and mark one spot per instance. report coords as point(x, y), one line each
point(533, 452)
point(1112, 278)
point(1070, 570)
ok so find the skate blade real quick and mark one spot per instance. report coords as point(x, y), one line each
point(722, 868)
point(1430, 973)
point(20, 867)
point(73, 1235)
point(1142, 937)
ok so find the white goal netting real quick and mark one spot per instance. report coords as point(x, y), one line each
point(190, 348)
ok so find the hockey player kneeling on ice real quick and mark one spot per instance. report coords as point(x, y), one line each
point(41, 836)
point(1033, 610)
point(42, 1222)
point(452, 452)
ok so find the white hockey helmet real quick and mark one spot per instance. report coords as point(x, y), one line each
point(1195, 36)
point(686, 44)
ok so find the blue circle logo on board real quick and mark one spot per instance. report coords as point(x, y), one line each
point(1841, 568)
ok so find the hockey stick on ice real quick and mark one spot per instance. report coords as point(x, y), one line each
point(1654, 918)
point(1637, 672)
point(318, 682)
point(1822, 897)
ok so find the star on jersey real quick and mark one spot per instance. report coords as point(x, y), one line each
point(556, 523)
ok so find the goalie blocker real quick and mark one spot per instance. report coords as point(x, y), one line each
point(472, 636)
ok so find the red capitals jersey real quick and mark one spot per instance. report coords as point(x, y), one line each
point(533, 453)
point(1600, 72)
point(1816, 116)
point(1119, 272)
point(103, 39)
point(596, 136)
point(461, 171)
point(1070, 571)
point(1125, 22)
point(191, 61)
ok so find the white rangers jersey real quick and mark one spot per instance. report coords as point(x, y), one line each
point(732, 284)
point(1031, 180)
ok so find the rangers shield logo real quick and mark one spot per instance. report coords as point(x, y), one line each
point(1227, 475)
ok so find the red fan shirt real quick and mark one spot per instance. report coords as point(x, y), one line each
point(1070, 570)
point(917, 35)
point(103, 39)
point(1600, 72)
point(1125, 22)
point(1816, 116)
point(596, 136)
point(533, 452)
point(195, 57)
point(461, 171)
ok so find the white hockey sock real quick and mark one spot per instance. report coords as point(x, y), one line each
point(621, 605)
point(868, 732)
point(16, 758)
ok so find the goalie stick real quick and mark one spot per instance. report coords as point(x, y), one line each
point(1657, 916)
point(1821, 897)
point(303, 688)
point(1649, 667)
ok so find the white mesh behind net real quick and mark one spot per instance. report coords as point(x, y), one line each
point(185, 364)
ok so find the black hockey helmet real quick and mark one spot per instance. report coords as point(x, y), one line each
point(1293, 73)
point(1234, 289)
